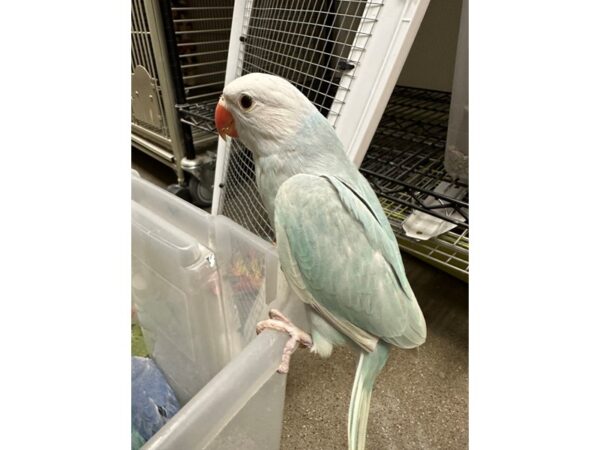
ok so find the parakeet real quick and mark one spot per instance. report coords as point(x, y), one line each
point(336, 247)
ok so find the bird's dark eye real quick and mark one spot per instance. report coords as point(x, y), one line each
point(246, 101)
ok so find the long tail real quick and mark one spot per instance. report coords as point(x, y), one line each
point(369, 366)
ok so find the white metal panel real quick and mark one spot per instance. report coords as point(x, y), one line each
point(397, 25)
point(230, 74)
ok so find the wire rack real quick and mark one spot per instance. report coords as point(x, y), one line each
point(309, 43)
point(405, 165)
point(199, 115)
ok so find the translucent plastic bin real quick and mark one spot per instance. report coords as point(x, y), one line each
point(200, 283)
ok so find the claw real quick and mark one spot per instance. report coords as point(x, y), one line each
point(275, 314)
point(279, 322)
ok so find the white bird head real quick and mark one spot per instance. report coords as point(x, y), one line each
point(263, 111)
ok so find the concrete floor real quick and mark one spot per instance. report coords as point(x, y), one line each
point(420, 400)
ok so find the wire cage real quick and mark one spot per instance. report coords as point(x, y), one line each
point(316, 45)
point(143, 59)
point(179, 57)
point(201, 29)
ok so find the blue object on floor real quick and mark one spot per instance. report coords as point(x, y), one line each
point(153, 401)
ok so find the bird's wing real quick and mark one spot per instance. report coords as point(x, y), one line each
point(383, 236)
point(338, 258)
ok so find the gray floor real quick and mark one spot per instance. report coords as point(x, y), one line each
point(420, 400)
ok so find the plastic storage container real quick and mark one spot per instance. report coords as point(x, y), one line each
point(200, 283)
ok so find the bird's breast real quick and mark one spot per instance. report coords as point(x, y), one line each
point(269, 177)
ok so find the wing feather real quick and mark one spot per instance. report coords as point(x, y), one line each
point(338, 257)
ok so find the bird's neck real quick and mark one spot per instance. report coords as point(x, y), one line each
point(315, 150)
point(271, 172)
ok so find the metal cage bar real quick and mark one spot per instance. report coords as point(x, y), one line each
point(142, 54)
point(202, 30)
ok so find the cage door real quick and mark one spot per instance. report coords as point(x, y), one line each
point(345, 56)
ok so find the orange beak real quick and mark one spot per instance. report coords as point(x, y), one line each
point(224, 121)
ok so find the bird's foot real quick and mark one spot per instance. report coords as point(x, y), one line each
point(277, 321)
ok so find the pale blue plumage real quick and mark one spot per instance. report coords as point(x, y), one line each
point(341, 262)
point(336, 246)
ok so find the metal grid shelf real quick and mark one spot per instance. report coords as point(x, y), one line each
point(405, 164)
point(199, 115)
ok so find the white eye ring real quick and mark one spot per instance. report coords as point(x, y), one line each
point(246, 102)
